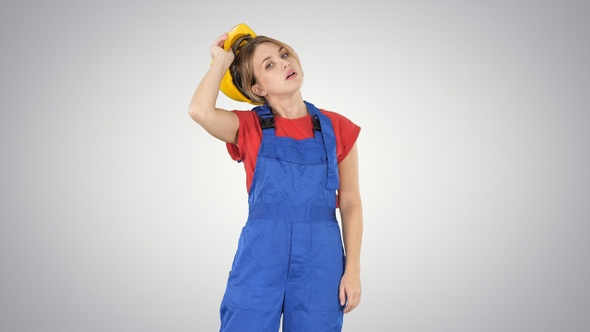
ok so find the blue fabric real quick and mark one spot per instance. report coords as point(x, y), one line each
point(290, 258)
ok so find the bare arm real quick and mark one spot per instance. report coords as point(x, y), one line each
point(352, 229)
point(217, 122)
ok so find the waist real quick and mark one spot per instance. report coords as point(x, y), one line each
point(292, 212)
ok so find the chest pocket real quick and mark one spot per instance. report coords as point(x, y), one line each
point(290, 150)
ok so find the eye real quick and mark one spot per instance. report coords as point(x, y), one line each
point(284, 55)
point(269, 65)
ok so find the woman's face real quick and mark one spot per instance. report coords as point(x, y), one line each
point(277, 72)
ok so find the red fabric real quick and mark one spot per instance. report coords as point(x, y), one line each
point(250, 135)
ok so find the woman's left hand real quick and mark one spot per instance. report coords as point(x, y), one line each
point(350, 291)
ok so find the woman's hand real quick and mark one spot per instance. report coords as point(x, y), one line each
point(218, 53)
point(350, 291)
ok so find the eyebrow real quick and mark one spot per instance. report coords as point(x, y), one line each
point(281, 48)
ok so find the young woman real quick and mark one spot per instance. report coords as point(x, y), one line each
point(301, 166)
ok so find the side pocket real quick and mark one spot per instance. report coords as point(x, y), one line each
point(246, 280)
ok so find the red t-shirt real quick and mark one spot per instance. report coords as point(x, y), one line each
point(250, 136)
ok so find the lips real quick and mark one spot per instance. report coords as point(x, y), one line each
point(291, 74)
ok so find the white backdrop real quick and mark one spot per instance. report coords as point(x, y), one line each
point(118, 213)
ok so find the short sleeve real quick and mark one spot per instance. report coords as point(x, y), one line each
point(346, 133)
point(248, 133)
point(249, 137)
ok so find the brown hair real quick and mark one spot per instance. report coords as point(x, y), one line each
point(242, 68)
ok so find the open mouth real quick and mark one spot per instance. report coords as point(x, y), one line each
point(291, 75)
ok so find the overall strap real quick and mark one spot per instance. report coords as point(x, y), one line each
point(266, 119)
point(324, 126)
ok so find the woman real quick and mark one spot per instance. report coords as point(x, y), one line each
point(301, 165)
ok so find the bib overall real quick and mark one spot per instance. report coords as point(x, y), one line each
point(290, 258)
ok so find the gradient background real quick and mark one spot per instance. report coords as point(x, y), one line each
point(119, 213)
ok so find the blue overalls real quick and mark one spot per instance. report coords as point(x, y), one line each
point(290, 258)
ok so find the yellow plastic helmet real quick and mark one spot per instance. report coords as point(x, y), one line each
point(237, 37)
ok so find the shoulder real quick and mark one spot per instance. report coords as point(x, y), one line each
point(245, 114)
point(330, 114)
point(248, 118)
point(339, 120)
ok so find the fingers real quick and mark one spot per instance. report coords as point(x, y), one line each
point(220, 40)
point(218, 52)
point(342, 295)
point(353, 300)
point(349, 294)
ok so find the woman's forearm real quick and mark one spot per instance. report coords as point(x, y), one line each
point(351, 211)
point(352, 234)
point(204, 99)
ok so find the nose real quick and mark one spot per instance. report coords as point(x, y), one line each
point(286, 64)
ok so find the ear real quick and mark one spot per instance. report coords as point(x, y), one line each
point(258, 90)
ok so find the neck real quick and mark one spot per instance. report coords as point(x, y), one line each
point(290, 108)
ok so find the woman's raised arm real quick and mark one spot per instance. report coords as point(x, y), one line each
point(220, 123)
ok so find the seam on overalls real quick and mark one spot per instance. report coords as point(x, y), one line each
point(274, 226)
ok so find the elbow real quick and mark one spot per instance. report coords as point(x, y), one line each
point(196, 113)
point(351, 209)
point(350, 203)
point(193, 112)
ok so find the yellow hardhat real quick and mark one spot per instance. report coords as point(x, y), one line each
point(237, 37)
